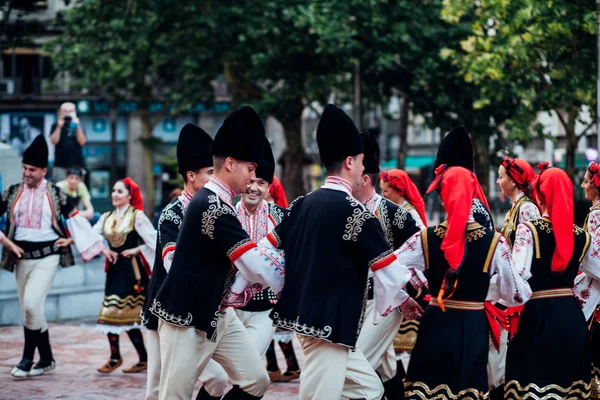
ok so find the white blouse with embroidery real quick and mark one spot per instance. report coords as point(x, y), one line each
point(587, 284)
point(510, 287)
point(528, 211)
point(415, 214)
point(143, 228)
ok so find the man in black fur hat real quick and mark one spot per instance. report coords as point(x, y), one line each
point(376, 341)
point(195, 323)
point(195, 163)
point(37, 243)
point(330, 241)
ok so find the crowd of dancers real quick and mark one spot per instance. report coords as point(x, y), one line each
point(358, 277)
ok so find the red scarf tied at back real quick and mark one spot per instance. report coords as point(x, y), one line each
point(521, 172)
point(552, 187)
point(135, 192)
point(401, 183)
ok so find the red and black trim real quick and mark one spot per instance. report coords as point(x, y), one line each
point(239, 249)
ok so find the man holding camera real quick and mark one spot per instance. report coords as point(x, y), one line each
point(68, 139)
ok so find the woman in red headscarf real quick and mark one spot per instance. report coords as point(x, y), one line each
point(397, 187)
point(550, 354)
point(459, 258)
point(514, 179)
point(587, 288)
point(132, 239)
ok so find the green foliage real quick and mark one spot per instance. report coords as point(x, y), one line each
point(542, 52)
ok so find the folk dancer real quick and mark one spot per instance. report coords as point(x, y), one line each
point(195, 164)
point(195, 322)
point(587, 287)
point(397, 187)
point(514, 179)
point(550, 356)
point(132, 241)
point(376, 341)
point(459, 258)
point(36, 242)
point(330, 240)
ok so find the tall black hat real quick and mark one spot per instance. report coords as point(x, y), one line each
point(266, 166)
point(337, 136)
point(371, 160)
point(241, 136)
point(37, 153)
point(456, 150)
point(193, 149)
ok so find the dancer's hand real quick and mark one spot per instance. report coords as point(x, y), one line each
point(411, 309)
point(110, 255)
point(13, 247)
point(131, 252)
point(63, 242)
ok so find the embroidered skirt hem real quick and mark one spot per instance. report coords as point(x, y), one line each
point(577, 390)
point(420, 390)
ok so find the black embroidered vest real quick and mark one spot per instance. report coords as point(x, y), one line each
point(544, 243)
point(473, 278)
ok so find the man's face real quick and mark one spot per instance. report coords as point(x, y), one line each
point(68, 109)
point(256, 191)
point(244, 172)
point(73, 181)
point(356, 170)
point(200, 178)
point(33, 175)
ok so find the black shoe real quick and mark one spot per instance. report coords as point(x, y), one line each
point(238, 394)
point(22, 369)
point(42, 367)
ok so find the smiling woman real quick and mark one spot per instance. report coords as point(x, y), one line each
point(132, 241)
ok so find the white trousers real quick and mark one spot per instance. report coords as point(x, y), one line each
point(259, 326)
point(185, 353)
point(217, 381)
point(376, 341)
point(497, 361)
point(34, 280)
point(332, 370)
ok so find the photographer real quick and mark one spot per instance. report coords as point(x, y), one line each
point(68, 139)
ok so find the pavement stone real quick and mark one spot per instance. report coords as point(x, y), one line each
point(79, 351)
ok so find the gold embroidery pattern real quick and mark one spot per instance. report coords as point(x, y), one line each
point(577, 390)
point(407, 336)
point(512, 219)
point(595, 383)
point(543, 224)
point(301, 328)
point(476, 234)
point(116, 232)
point(420, 390)
point(440, 231)
point(156, 309)
point(425, 244)
point(116, 310)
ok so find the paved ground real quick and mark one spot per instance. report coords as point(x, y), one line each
point(79, 351)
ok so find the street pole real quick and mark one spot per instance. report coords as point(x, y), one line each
point(598, 77)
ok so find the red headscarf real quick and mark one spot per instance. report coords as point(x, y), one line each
point(401, 183)
point(135, 192)
point(277, 193)
point(594, 170)
point(554, 188)
point(521, 172)
point(457, 187)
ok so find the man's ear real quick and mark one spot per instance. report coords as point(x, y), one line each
point(230, 164)
point(349, 162)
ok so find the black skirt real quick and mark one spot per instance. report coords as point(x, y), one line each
point(550, 354)
point(450, 357)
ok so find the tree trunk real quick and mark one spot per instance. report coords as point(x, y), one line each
point(147, 185)
point(293, 171)
point(403, 131)
point(569, 126)
point(481, 150)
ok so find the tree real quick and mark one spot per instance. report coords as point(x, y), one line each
point(542, 52)
point(142, 51)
